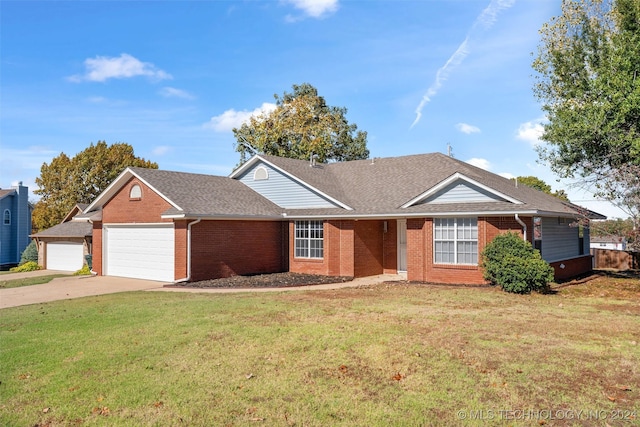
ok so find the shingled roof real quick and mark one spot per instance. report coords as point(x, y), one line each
point(382, 186)
point(68, 230)
point(197, 195)
point(372, 187)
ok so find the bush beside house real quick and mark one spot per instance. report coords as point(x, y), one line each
point(514, 265)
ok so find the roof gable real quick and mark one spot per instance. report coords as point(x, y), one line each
point(118, 183)
point(194, 195)
point(289, 186)
point(459, 188)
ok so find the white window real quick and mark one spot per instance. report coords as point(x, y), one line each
point(260, 174)
point(309, 239)
point(135, 192)
point(455, 241)
point(7, 217)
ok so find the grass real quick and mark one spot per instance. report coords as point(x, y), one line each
point(385, 355)
point(28, 281)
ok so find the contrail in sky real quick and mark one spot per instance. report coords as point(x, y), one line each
point(484, 21)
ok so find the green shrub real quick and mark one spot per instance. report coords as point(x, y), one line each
point(30, 253)
point(514, 265)
point(84, 271)
point(27, 266)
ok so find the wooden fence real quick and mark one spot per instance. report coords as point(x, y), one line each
point(618, 260)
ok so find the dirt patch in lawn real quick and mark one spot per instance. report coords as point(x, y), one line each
point(273, 280)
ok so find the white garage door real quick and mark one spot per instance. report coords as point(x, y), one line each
point(141, 252)
point(64, 256)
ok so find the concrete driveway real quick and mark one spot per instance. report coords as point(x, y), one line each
point(83, 286)
point(68, 288)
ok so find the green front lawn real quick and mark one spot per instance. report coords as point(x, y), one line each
point(386, 355)
point(27, 281)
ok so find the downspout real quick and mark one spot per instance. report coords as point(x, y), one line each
point(93, 273)
point(186, 279)
point(524, 227)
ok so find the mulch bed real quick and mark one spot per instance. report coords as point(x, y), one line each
point(274, 280)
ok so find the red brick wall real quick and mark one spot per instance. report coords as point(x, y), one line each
point(180, 249)
point(341, 248)
point(122, 209)
point(390, 248)
point(420, 257)
point(228, 248)
point(572, 267)
point(368, 248)
point(500, 225)
point(96, 260)
point(338, 251)
point(417, 249)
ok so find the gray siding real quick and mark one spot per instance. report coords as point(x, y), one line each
point(559, 240)
point(461, 192)
point(284, 191)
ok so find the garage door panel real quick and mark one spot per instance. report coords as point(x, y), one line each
point(65, 256)
point(143, 252)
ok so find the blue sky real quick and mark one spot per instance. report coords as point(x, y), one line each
point(172, 78)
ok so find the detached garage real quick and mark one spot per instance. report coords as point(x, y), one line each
point(64, 246)
point(139, 251)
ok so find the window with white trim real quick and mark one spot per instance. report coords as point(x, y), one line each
point(260, 174)
point(7, 217)
point(309, 240)
point(135, 192)
point(455, 241)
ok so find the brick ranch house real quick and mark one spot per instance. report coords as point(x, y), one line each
point(427, 215)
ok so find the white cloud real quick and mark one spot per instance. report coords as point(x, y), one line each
point(480, 163)
point(230, 119)
point(172, 92)
point(161, 150)
point(530, 132)
point(313, 8)
point(102, 68)
point(507, 175)
point(486, 19)
point(468, 129)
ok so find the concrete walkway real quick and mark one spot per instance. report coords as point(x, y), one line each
point(83, 286)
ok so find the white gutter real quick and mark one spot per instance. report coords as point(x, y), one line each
point(186, 279)
point(524, 227)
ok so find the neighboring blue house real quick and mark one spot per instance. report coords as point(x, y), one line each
point(15, 224)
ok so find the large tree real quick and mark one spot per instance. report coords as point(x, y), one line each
point(302, 125)
point(538, 184)
point(588, 81)
point(67, 181)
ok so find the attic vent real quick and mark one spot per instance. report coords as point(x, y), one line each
point(260, 174)
point(135, 192)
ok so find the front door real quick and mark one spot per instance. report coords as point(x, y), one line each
point(402, 245)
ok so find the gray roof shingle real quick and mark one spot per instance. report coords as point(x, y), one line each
point(207, 195)
point(68, 229)
point(381, 186)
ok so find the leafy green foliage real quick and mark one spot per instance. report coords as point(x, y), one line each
point(30, 253)
point(514, 265)
point(538, 184)
point(67, 181)
point(302, 125)
point(84, 271)
point(588, 81)
point(27, 266)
